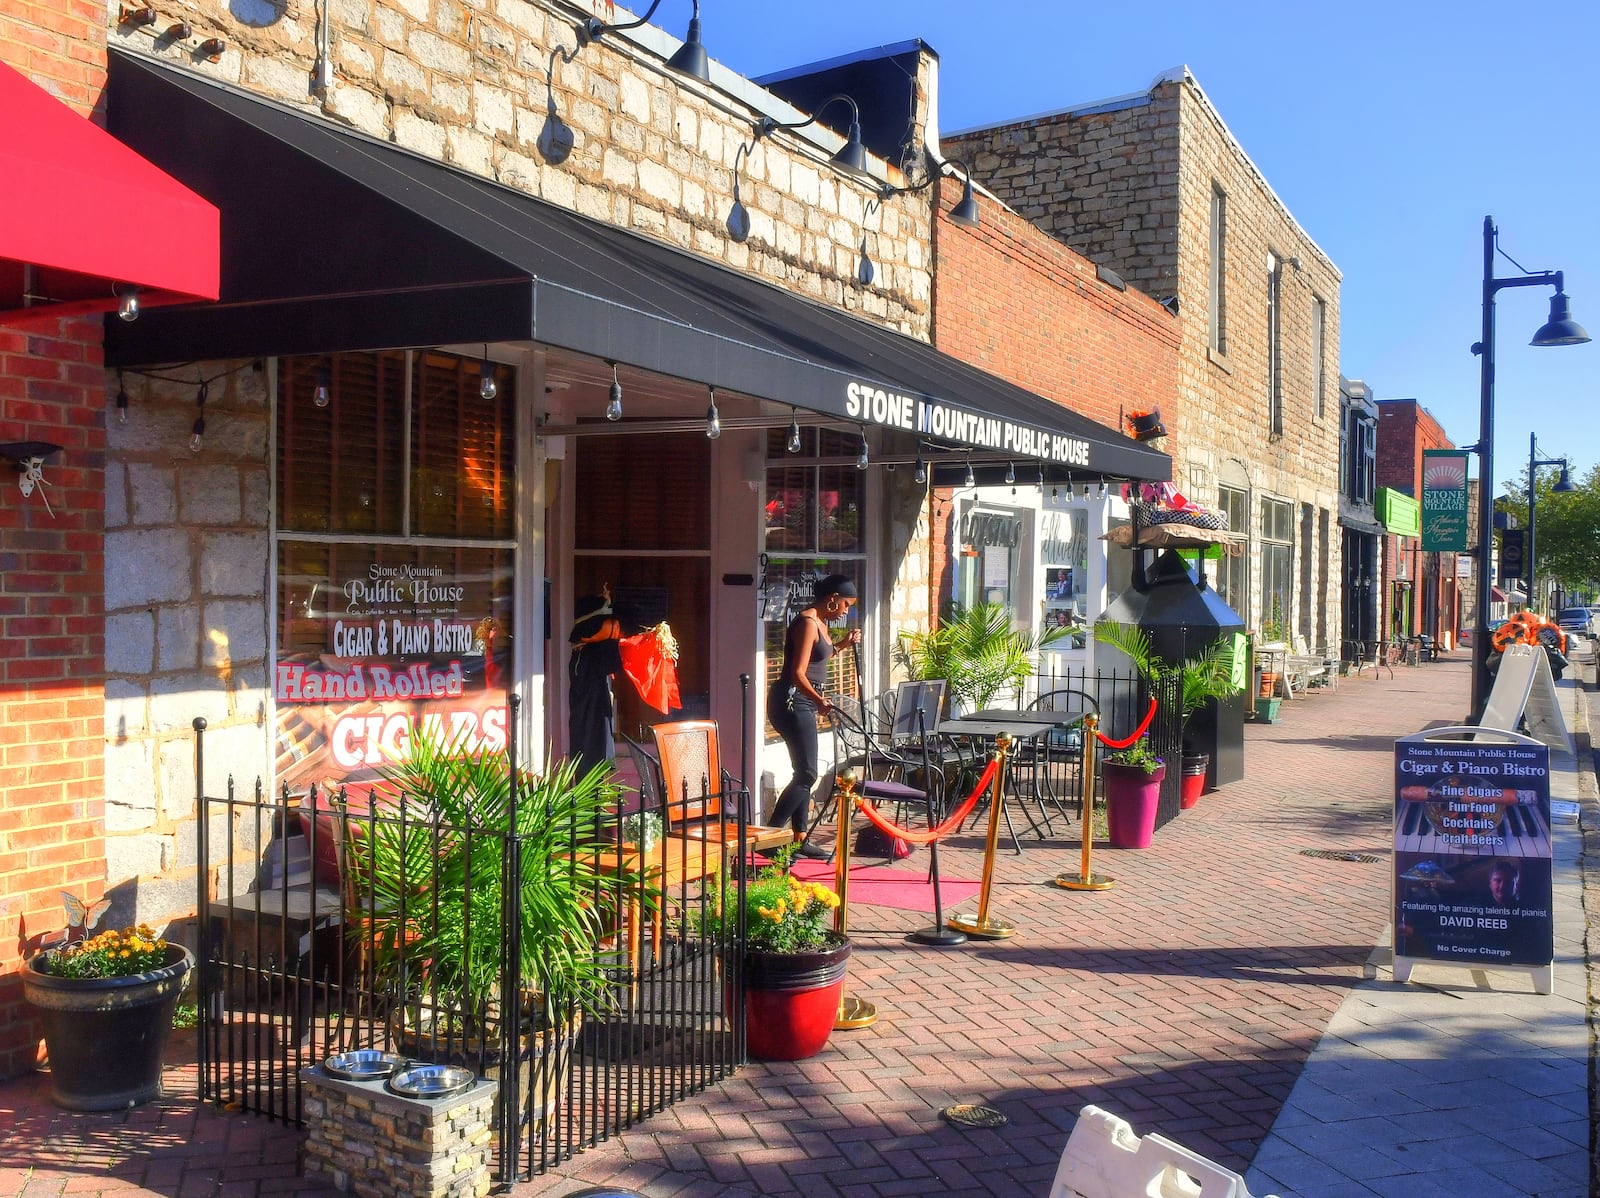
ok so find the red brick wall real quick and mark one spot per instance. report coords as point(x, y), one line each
point(52, 573)
point(1021, 305)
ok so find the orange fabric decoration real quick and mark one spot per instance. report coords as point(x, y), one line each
point(651, 669)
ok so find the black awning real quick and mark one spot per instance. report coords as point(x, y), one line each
point(333, 241)
point(1358, 522)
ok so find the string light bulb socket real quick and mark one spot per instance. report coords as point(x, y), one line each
point(614, 402)
point(198, 430)
point(922, 470)
point(487, 387)
point(862, 460)
point(972, 479)
point(713, 419)
point(794, 444)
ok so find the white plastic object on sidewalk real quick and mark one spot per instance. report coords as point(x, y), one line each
point(1104, 1159)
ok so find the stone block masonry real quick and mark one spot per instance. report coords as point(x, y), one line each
point(362, 1139)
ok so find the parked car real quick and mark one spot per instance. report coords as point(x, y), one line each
point(1575, 621)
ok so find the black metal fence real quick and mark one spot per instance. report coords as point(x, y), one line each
point(333, 922)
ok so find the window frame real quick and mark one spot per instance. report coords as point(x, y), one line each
point(1319, 354)
point(1277, 552)
point(1217, 275)
point(1233, 573)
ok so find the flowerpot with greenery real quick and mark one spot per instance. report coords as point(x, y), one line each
point(1206, 676)
point(979, 653)
point(106, 1005)
point(432, 905)
point(792, 965)
point(1133, 779)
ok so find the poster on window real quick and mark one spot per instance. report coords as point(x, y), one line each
point(1472, 851)
point(376, 647)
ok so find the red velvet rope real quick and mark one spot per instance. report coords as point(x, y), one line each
point(949, 825)
point(1138, 732)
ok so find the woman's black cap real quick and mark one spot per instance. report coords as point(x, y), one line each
point(835, 584)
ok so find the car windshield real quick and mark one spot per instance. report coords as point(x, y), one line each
point(1578, 615)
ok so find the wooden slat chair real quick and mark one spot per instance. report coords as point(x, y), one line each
point(694, 787)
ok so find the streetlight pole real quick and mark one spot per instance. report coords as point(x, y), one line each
point(1560, 329)
point(1563, 485)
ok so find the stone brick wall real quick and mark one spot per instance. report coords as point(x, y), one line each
point(474, 83)
point(51, 706)
point(1128, 184)
point(187, 563)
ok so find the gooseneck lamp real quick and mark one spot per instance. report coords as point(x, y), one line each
point(852, 156)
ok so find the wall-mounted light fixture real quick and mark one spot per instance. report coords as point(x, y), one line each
point(852, 156)
point(689, 59)
point(713, 419)
point(211, 49)
point(136, 16)
point(614, 401)
point(179, 31)
point(965, 212)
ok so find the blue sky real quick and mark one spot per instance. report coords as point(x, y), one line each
point(1390, 131)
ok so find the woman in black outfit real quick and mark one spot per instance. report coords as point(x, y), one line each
point(796, 698)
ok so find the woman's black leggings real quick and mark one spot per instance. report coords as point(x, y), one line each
point(796, 722)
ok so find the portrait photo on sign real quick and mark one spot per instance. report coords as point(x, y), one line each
point(1473, 909)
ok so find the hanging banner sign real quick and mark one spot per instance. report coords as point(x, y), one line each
point(1444, 500)
point(1472, 882)
point(1512, 543)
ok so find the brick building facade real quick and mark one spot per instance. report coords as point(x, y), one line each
point(1155, 187)
point(1422, 597)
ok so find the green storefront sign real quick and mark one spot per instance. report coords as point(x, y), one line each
point(1444, 500)
point(1400, 514)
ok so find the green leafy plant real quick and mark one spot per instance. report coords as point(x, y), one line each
point(1196, 680)
point(431, 886)
point(1137, 754)
point(978, 652)
point(118, 954)
point(782, 914)
point(1274, 628)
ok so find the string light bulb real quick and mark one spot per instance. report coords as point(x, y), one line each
point(128, 305)
point(794, 445)
point(1041, 478)
point(122, 400)
point(614, 403)
point(487, 387)
point(322, 393)
point(199, 428)
point(862, 461)
point(972, 479)
point(922, 470)
point(713, 420)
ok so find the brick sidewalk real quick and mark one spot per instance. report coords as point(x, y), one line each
point(1186, 1000)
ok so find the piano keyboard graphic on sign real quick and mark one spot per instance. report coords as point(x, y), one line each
point(1524, 832)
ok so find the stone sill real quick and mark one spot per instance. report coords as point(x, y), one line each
point(1220, 361)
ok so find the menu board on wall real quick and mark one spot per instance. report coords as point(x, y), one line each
point(1472, 852)
point(375, 645)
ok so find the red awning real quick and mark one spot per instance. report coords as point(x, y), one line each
point(82, 217)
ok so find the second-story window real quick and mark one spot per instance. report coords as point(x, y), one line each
point(1319, 349)
point(1274, 345)
point(1218, 331)
point(1367, 459)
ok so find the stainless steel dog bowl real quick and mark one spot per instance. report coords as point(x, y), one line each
point(431, 1081)
point(362, 1064)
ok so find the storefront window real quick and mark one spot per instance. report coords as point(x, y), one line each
point(395, 558)
point(1064, 559)
point(813, 529)
point(991, 548)
point(1277, 563)
point(1232, 576)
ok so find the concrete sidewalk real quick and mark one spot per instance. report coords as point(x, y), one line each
point(1188, 1000)
point(1462, 1082)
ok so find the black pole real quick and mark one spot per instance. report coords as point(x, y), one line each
point(510, 1096)
point(1485, 347)
point(202, 931)
point(746, 766)
point(1533, 507)
point(938, 935)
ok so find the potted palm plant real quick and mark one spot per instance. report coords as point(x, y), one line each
point(433, 904)
point(1196, 680)
point(978, 652)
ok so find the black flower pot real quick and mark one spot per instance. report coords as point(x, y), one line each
point(106, 1036)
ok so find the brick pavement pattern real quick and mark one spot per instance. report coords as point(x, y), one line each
point(1186, 1000)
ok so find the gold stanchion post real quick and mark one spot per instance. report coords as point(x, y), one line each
point(853, 1012)
point(1085, 878)
point(981, 926)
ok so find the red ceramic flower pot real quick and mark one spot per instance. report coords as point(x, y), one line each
point(791, 1001)
point(1194, 779)
point(1131, 800)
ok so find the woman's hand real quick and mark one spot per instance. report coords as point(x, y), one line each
point(851, 638)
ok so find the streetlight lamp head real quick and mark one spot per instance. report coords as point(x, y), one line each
point(1560, 329)
point(1564, 484)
